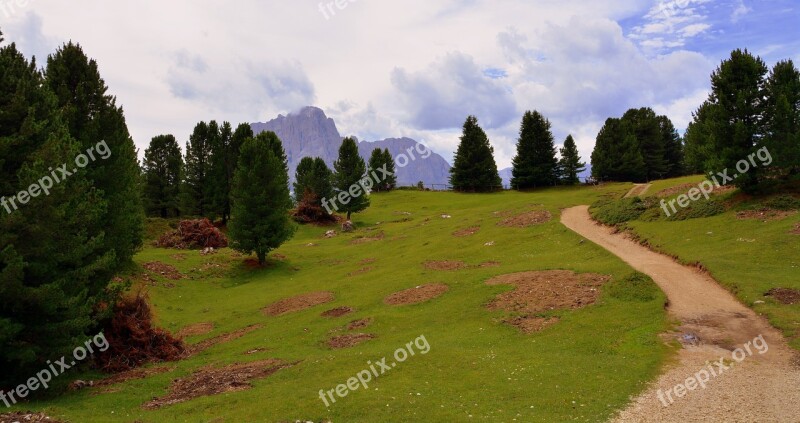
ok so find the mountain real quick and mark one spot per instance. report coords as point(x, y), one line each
point(310, 133)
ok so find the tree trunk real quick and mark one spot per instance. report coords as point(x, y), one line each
point(348, 215)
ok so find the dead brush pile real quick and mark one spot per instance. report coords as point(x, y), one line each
point(193, 234)
point(132, 339)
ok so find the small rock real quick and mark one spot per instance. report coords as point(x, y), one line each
point(446, 216)
point(348, 226)
point(489, 244)
point(330, 234)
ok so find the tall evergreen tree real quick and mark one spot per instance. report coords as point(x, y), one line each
point(474, 168)
point(738, 91)
point(646, 128)
point(673, 148)
point(535, 164)
point(261, 202)
point(92, 116)
point(53, 256)
point(382, 159)
point(313, 177)
point(570, 164)
point(783, 118)
point(616, 155)
point(162, 168)
point(349, 170)
point(390, 180)
point(699, 145)
point(197, 165)
point(219, 162)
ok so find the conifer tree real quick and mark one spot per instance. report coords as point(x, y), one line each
point(535, 164)
point(196, 173)
point(349, 170)
point(783, 118)
point(474, 168)
point(570, 164)
point(162, 168)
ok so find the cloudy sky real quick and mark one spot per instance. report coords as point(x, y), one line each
point(414, 68)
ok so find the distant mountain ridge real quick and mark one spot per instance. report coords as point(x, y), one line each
point(310, 133)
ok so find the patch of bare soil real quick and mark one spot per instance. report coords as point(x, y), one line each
point(337, 312)
point(135, 374)
point(367, 239)
point(796, 230)
point(531, 324)
point(445, 265)
point(178, 257)
point(163, 270)
point(298, 303)
point(359, 324)
point(213, 381)
point(367, 261)
point(524, 220)
point(27, 418)
point(764, 215)
point(685, 188)
point(417, 295)
point(349, 340)
point(360, 271)
point(221, 339)
point(784, 295)
point(489, 264)
point(638, 190)
point(195, 330)
point(538, 292)
point(256, 351)
point(467, 232)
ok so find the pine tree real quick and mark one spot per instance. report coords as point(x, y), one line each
point(617, 156)
point(303, 177)
point(698, 148)
point(196, 172)
point(535, 164)
point(390, 180)
point(673, 148)
point(313, 177)
point(162, 168)
point(219, 161)
point(570, 164)
point(92, 116)
point(349, 170)
point(646, 128)
point(738, 91)
point(783, 118)
point(474, 168)
point(53, 258)
point(260, 197)
point(376, 160)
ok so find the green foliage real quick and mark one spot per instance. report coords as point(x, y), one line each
point(699, 144)
point(783, 202)
point(570, 164)
point(617, 156)
point(535, 164)
point(196, 193)
point(474, 168)
point(349, 170)
point(615, 212)
point(699, 209)
point(92, 116)
point(260, 197)
point(783, 118)
point(313, 176)
point(162, 169)
point(382, 159)
point(635, 287)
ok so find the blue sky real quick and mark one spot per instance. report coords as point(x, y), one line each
point(415, 68)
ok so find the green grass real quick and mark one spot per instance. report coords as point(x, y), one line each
point(583, 368)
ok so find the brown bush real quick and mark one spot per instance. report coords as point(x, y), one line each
point(132, 339)
point(309, 210)
point(200, 233)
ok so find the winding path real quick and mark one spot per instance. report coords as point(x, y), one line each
point(760, 388)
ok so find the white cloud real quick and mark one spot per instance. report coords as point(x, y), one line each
point(741, 11)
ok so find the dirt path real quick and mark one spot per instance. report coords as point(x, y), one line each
point(760, 388)
point(638, 190)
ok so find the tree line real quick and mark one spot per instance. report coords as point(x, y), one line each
point(534, 166)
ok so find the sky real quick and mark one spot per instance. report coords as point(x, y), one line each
point(415, 68)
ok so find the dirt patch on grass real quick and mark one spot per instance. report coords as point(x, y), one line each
point(298, 303)
point(445, 265)
point(796, 230)
point(27, 418)
point(337, 312)
point(524, 220)
point(256, 351)
point(784, 295)
point(349, 340)
point(360, 271)
point(531, 324)
point(538, 292)
point(685, 188)
point(163, 270)
point(417, 295)
point(213, 381)
point(221, 339)
point(178, 257)
point(359, 324)
point(135, 374)
point(195, 330)
point(364, 240)
point(367, 261)
point(489, 264)
point(467, 232)
point(764, 215)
